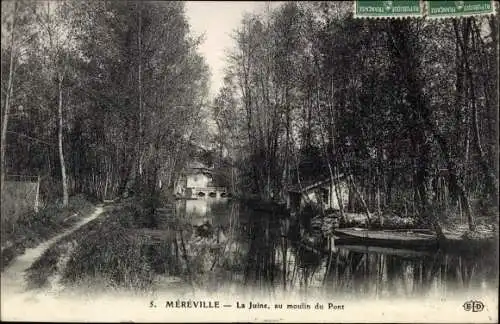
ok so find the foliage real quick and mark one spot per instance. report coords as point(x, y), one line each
point(131, 88)
point(404, 108)
point(111, 254)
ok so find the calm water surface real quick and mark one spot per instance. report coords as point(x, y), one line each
point(251, 251)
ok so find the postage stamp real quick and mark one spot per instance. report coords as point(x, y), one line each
point(447, 9)
point(388, 9)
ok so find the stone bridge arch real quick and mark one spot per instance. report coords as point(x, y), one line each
point(210, 192)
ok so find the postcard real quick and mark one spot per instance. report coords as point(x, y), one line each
point(226, 161)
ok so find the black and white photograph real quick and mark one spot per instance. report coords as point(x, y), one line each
point(226, 161)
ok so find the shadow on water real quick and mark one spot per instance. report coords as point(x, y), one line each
point(242, 248)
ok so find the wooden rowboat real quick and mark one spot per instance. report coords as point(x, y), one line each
point(387, 238)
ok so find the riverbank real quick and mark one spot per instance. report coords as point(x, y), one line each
point(416, 240)
point(13, 277)
point(103, 249)
point(132, 247)
point(35, 228)
point(396, 232)
point(115, 256)
point(129, 249)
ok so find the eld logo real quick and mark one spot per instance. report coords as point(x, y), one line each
point(474, 306)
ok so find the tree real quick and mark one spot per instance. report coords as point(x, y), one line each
point(379, 101)
point(127, 84)
point(16, 36)
point(58, 34)
point(8, 93)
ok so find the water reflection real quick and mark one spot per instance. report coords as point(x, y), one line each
point(216, 211)
point(249, 249)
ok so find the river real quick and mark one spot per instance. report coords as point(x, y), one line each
point(250, 251)
point(246, 257)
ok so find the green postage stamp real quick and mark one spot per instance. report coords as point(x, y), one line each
point(436, 9)
point(395, 9)
point(420, 8)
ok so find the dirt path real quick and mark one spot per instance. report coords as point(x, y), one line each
point(13, 282)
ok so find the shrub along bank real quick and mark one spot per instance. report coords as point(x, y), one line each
point(34, 228)
point(109, 251)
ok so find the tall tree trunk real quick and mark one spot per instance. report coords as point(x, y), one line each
point(361, 199)
point(60, 144)
point(8, 95)
point(455, 181)
point(405, 52)
point(492, 182)
point(468, 52)
point(338, 190)
point(287, 150)
point(379, 208)
point(141, 131)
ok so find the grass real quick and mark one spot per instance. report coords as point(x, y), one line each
point(38, 274)
point(34, 228)
point(108, 251)
point(111, 253)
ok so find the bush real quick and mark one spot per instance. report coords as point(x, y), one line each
point(113, 251)
point(110, 251)
point(33, 228)
point(19, 198)
point(111, 255)
point(144, 211)
point(309, 211)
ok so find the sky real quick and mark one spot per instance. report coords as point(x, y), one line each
point(218, 20)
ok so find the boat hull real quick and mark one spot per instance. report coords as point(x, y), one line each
point(393, 239)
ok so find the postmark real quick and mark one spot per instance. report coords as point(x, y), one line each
point(454, 9)
point(388, 9)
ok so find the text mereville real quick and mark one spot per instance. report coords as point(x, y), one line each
point(192, 304)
